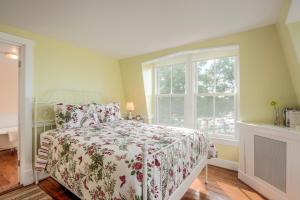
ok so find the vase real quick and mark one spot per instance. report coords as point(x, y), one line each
point(276, 117)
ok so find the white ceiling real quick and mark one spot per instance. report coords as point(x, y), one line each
point(124, 28)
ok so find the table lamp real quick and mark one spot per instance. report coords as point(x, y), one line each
point(130, 108)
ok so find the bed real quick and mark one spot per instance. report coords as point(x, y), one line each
point(123, 159)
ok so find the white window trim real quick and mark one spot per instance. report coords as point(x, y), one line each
point(190, 117)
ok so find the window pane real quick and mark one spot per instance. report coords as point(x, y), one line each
point(178, 79)
point(205, 113)
point(224, 121)
point(225, 74)
point(177, 110)
point(164, 110)
point(164, 78)
point(204, 106)
point(204, 123)
point(224, 125)
point(205, 73)
point(224, 106)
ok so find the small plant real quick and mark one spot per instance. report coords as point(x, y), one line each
point(275, 106)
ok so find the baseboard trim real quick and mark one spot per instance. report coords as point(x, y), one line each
point(27, 177)
point(263, 188)
point(227, 164)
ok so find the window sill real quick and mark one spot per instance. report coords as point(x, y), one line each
point(229, 142)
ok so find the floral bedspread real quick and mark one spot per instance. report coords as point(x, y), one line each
point(106, 162)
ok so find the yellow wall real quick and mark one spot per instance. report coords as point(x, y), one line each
point(63, 66)
point(290, 52)
point(263, 76)
point(228, 152)
point(294, 30)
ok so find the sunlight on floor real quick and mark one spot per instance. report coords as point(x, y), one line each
point(222, 185)
point(198, 186)
point(236, 192)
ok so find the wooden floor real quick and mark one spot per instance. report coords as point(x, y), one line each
point(223, 184)
point(8, 170)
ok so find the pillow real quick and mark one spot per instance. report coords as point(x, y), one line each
point(75, 116)
point(109, 112)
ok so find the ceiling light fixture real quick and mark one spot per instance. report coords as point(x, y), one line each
point(11, 56)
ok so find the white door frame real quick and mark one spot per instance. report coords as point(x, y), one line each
point(25, 104)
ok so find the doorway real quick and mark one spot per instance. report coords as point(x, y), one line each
point(25, 63)
point(9, 116)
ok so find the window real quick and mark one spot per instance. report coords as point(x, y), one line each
point(215, 95)
point(199, 92)
point(171, 92)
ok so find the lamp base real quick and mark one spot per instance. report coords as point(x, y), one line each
point(129, 115)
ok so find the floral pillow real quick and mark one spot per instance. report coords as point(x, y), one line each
point(109, 112)
point(75, 116)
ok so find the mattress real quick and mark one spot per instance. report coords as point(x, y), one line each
point(106, 162)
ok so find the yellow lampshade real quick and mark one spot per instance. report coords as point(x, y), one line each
point(130, 106)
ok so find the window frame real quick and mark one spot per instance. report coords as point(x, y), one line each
point(190, 96)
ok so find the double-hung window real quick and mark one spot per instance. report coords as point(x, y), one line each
point(216, 95)
point(199, 92)
point(170, 94)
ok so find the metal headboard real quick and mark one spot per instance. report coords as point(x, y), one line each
point(43, 113)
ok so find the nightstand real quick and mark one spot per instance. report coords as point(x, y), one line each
point(134, 118)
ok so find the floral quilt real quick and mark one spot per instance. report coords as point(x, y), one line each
point(106, 161)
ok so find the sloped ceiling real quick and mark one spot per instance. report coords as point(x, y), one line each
point(127, 28)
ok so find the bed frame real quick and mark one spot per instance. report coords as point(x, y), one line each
point(42, 121)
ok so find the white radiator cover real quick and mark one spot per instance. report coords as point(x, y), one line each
point(269, 160)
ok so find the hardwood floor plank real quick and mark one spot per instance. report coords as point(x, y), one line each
point(223, 185)
point(57, 191)
point(8, 170)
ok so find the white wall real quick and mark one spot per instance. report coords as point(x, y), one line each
point(8, 92)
